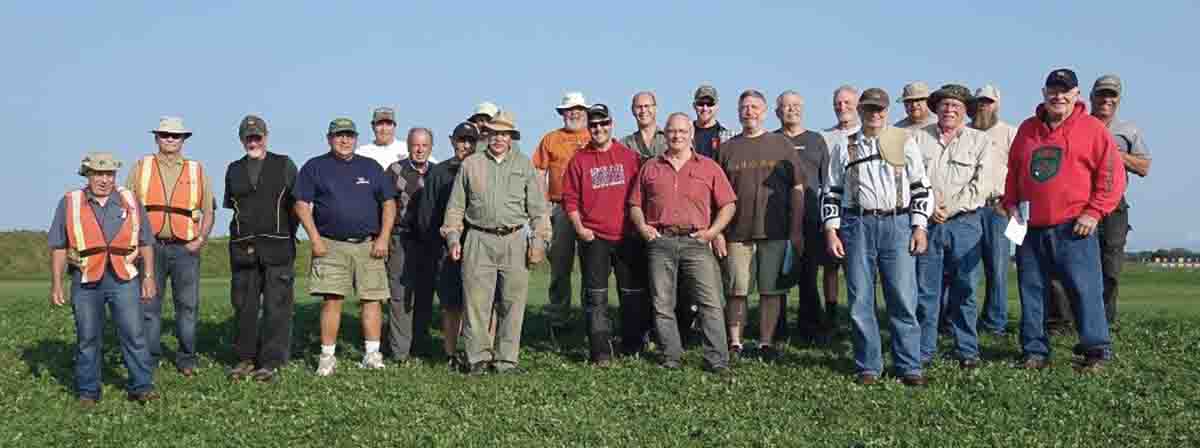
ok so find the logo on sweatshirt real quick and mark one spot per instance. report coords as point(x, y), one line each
point(1045, 163)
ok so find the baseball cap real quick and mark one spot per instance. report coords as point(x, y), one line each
point(916, 90)
point(1108, 82)
point(465, 130)
point(486, 108)
point(252, 125)
point(342, 125)
point(874, 97)
point(706, 91)
point(383, 113)
point(598, 112)
point(1063, 77)
point(988, 91)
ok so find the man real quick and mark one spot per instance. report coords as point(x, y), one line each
point(763, 169)
point(385, 149)
point(648, 140)
point(1114, 227)
point(1067, 191)
point(431, 212)
point(985, 116)
point(411, 275)
point(262, 253)
point(916, 107)
point(101, 235)
point(595, 189)
point(496, 194)
point(957, 160)
point(845, 109)
point(672, 206)
point(875, 209)
point(813, 158)
point(709, 132)
point(347, 207)
point(551, 158)
point(178, 199)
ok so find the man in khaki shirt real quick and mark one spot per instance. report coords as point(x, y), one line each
point(177, 195)
point(985, 116)
point(957, 159)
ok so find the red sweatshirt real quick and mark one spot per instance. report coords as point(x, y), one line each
point(597, 184)
point(1065, 172)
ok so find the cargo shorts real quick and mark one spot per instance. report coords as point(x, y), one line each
point(349, 269)
point(755, 265)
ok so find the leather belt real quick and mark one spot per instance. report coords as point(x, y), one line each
point(991, 202)
point(118, 251)
point(353, 240)
point(172, 241)
point(499, 231)
point(879, 212)
point(675, 230)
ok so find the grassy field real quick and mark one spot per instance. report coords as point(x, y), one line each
point(1146, 397)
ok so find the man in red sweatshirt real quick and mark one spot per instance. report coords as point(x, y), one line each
point(596, 186)
point(1064, 164)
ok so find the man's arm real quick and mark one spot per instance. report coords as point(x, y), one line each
point(1108, 182)
point(206, 217)
point(1136, 164)
point(452, 223)
point(303, 210)
point(58, 265)
point(539, 213)
point(149, 285)
point(388, 219)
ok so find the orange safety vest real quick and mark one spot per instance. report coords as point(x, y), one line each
point(183, 207)
point(87, 248)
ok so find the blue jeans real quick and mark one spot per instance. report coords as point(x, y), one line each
point(87, 302)
point(1076, 260)
point(882, 242)
point(954, 250)
point(174, 260)
point(995, 270)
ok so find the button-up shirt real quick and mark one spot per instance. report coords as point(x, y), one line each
point(875, 188)
point(170, 168)
point(685, 198)
point(656, 147)
point(957, 169)
point(1000, 135)
point(834, 135)
point(111, 216)
point(494, 193)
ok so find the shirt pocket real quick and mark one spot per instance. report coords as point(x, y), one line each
point(698, 190)
point(962, 167)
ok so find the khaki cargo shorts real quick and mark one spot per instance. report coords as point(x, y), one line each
point(754, 265)
point(349, 269)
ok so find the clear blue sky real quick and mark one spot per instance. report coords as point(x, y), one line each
point(83, 76)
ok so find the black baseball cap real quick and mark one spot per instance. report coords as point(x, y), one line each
point(598, 112)
point(465, 130)
point(1063, 77)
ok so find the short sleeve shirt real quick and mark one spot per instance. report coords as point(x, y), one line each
point(686, 198)
point(763, 173)
point(345, 194)
point(553, 154)
point(1129, 140)
point(111, 216)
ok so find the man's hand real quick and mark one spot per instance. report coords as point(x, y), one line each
point(456, 252)
point(149, 289)
point(649, 233)
point(940, 215)
point(835, 244)
point(585, 234)
point(919, 241)
point(318, 248)
point(57, 297)
point(1085, 225)
point(379, 248)
point(537, 254)
point(195, 245)
point(1000, 210)
point(720, 248)
point(705, 235)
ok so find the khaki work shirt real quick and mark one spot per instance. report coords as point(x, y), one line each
point(958, 169)
point(493, 193)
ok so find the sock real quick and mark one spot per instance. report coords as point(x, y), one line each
point(328, 349)
point(372, 346)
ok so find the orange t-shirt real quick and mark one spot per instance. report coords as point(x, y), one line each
point(554, 152)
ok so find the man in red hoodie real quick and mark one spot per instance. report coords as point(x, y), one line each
point(595, 187)
point(1064, 164)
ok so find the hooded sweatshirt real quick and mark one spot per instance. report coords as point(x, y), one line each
point(1064, 172)
point(597, 185)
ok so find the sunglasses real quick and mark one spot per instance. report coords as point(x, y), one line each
point(596, 124)
point(705, 103)
point(170, 136)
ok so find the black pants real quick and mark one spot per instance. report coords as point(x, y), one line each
point(1114, 229)
point(627, 260)
point(263, 275)
point(412, 271)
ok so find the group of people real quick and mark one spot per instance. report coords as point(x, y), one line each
point(692, 219)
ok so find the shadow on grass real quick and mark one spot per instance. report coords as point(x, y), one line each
point(56, 358)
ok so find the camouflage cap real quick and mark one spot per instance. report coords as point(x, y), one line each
point(1111, 83)
point(706, 91)
point(874, 97)
point(383, 113)
point(252, 125)
point(342, 125)
point(950, 91)
point(98, 161)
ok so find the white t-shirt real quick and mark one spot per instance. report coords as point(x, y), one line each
point(385, 155)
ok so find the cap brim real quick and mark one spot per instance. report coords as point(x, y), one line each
point(880, 104)
point(571, 106)
point(185, 133)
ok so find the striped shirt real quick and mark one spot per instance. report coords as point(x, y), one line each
point(876, 187)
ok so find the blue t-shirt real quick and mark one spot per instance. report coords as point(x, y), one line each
point(345, 194)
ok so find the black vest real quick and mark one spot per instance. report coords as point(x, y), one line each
point(262, 210)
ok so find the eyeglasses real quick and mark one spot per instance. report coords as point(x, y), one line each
point(705, 103)
point(597, 124)
point(170, 136)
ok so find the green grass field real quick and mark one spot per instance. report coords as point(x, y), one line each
point(1146, 397)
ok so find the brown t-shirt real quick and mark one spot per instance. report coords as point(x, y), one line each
point(763, 171)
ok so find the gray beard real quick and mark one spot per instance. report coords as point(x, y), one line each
point(984, 121)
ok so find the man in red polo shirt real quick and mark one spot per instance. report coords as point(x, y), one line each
point(672, 206)
point(595, 187)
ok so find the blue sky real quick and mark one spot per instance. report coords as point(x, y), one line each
point(97, 75)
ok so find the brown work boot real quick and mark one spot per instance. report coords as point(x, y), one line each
point(144, 397)
point(87, 403)
point(866, 379)
point(914, 381)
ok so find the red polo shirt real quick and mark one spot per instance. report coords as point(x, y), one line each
point(685, 198)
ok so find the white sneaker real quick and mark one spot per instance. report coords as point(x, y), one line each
point(372, 361)
point(326, 365)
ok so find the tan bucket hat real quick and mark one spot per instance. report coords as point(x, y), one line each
point(505, 121)
point(171, 125)
point(98, 161)
point(916, 90)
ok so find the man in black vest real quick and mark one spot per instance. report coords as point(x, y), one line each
point(262, 249)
